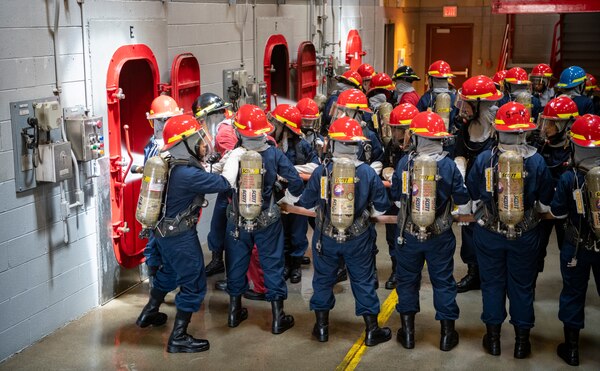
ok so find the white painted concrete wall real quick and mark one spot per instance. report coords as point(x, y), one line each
point(45, 283)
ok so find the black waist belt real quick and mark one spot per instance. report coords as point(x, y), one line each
point(358, 227)
point(441, 224)
point(490, 220)
point(585, 240)
point(263, 220)
point(169, 227)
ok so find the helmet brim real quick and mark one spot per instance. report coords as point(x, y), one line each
point(489, 97)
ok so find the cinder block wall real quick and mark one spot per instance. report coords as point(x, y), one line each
point(44, 282)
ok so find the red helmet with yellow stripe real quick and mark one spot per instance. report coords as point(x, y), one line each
point(177, 128)
point(513, 117)
point(289, 116)
point(366, 71)
point(403, 115)
point(440, 69)
point(351, 78)
point(353, 99)
point(585, 131)
point(163, 107)
point(479, 88)
point(429, 125)
point(251, 121)
point(517, 76)
point(346, 129)
point(381, 82)
point(560, 108)
point(591, 84)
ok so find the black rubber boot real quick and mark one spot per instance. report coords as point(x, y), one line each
point(449, 338)
point(150, 314)
point(182, 342)
point(470, 281)
point(253, 295)
point(221, 285)
point(406, 333)
point(216, 265)
point(305, 260)
point(281, 321)
point(491, 340)
point(236, 313)
point(390, 284)
point(373, 333)
point(295, 269)
point(569, 350)
point(522, 344)
point(321, 329)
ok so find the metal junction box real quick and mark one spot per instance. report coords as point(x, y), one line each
point(53, 162)
point(85, 135)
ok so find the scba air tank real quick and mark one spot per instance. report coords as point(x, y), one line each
point(251, 179)
point(592, 181)
point(154, 180)
point(511, 208)
point(443, 101)
point(424, 186)
point(342, 195)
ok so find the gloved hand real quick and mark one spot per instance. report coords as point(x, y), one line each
point(387, 173)
point(232, 166)
point(463, 210)
point(306, 168)
point(288, 198)
point(541, 208)
point(377, 166)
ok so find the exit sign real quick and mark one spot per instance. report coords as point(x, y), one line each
point(450, 11)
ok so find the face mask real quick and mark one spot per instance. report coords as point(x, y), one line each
point(345, 150)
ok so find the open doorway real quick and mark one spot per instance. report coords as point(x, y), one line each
point(276, 68)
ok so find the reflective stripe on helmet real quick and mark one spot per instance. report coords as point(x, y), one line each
point(182, 135)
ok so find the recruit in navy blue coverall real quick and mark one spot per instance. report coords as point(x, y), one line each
point(268, 240)
point(297, 225)
point(182, 259)
point(427, 100)
point(437, 251)
point(508, 268)
point(575, 279)
point(356, 251)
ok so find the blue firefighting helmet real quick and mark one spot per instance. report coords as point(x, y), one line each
point(571, 77)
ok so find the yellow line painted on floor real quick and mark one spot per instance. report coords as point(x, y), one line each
point(355, 353)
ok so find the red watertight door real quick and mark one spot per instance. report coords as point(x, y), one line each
point(306, 71)
point(354, 52)
point(276, 68)
point(185, 80)
point(131, 85)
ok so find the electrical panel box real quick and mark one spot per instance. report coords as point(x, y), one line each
point(48, 115)
point(257, 92)
point(53, 162)
point(230, 89)
point(85, 135)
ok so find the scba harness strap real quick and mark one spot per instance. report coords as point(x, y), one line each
point(188, 218)
point(358, 227)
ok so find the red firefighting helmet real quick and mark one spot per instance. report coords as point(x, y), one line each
point(429, 125)
point(517, 76)
point(346, 129)
point(541, 70)
point(560, 108)
point(591, 83)
point(499, 77)
point(513, 117)
point(402, 115)
point(440, 69)
point(308, 109)
point(381, 82)
point(353, 99)
point(366, 71)
point(177, 128)
point(163, 106)
point(289, 116)
point(251, 121)
point(479, 88)
point(585, 131)
point(351, 78)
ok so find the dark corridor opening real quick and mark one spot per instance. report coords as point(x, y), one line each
point(279, 77)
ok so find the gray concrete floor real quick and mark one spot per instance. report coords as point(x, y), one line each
point(107, 338)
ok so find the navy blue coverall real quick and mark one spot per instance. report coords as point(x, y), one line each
point(575, 279)
point(268, 240)
point(438, 250)
point(293, 224)
point(508, 267)
point(357, 251)
point(584, 104)
point(182, 259)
